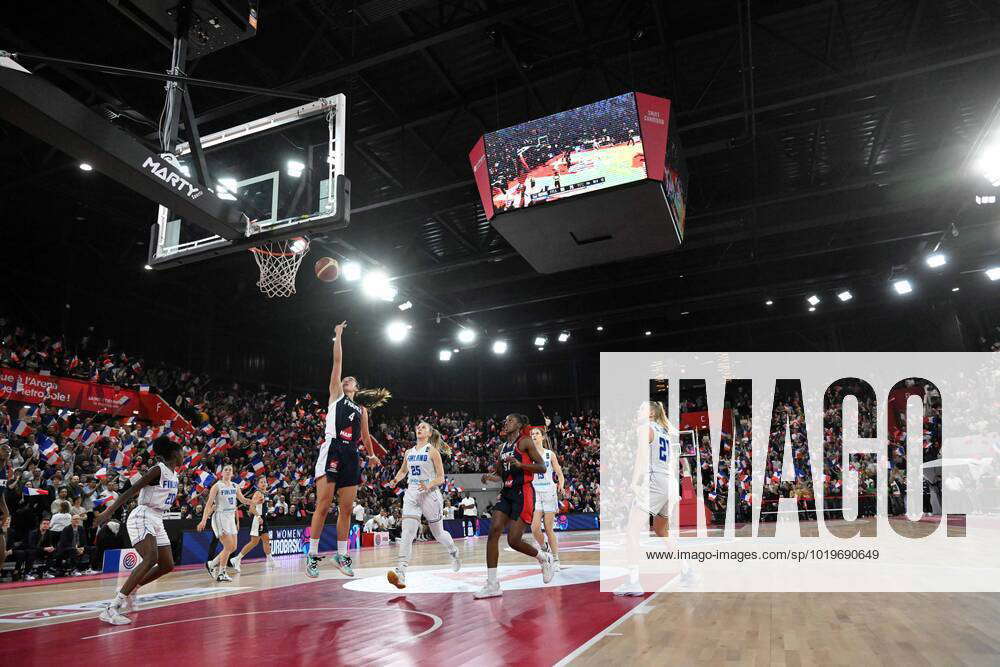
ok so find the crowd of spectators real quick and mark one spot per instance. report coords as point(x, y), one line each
point(84, 459)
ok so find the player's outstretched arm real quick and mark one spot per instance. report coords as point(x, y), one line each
point(209, 506)
point(336, 389)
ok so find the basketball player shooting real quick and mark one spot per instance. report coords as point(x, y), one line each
point(518, 463)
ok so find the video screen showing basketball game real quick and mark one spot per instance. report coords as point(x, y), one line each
point(585, 149)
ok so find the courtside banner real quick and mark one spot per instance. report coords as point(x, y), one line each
point(812, 472)
point(74, 394)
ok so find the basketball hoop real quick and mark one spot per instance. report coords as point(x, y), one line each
point(279, 264)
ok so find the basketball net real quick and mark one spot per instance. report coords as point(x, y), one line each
point(279, 262)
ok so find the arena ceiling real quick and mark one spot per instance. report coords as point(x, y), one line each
point(829, 145)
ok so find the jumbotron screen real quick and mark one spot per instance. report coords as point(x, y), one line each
point(585, 149)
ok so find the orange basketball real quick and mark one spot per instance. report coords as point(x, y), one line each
point(327, 269)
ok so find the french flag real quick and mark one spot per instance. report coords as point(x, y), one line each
point(261, 440)
point(192, 460)
point(49, 450)
point(91, 438)
point(257, 465)
point(205, 479)
point(102, 473)
point(207, 429)
point(121, 459)
point(22, 428)
point(31, 411)
point(101, 502)
point(35, 492)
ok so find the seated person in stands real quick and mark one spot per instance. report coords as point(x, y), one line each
point(37, 550)
point(72, 548)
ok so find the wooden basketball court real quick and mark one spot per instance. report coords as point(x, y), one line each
point(272, 614)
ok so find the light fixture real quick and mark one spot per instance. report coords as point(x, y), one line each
point(226, 189)
point(541, 348)
point(954, 289)
point(845, 295)
point(397, 331)
point(769, 302)
point(982, 200)
point(298, 245)
point(444, 355)
point(993, 273)
point(456, 350)
point(649, 333)
point(352, 271)
point(685, 312)
point(600, 328)
point(936, 260)
point(813, 300)
point(563, 336)
point(540, 341)
point(989, 164)
point(812, 309)
point(406, 305)
point(902, 286)
point(85, 166)
point(148, 267)
point(499, 347)
point(375, 285)
point(466, 335)
point(294, 168)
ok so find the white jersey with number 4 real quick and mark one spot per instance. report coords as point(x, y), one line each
point(659, 451)
point(419, 465)
point(160, 496)
point(543, 480)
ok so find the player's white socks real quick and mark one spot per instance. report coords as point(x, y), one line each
point(406, 537)
point(119, 599)
point(491, 576)
point(342, 547)
point(313, 547)
point(542, 556)
point(442, 536)
point(214, 562)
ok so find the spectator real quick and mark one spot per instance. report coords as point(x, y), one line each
point(61, 518)
point(71, 543)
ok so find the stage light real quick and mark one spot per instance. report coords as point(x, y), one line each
point(649, 333)
point(983, 200)
point(84, 166)
point(813, 300)
point(540, 341)
point(685, 312)
point(541, 348)
point(563, 336)
point(444, 355)
point(375, 285)
point(294, 168)
point(406, 305)
point(298, 245)
point(226, 189)
point(993, 273)
point(600, 328)
point(397, 331)
point(352, 271)
point(954, 289)
point(499, 347)
point(902, 287)
point(148, 267)
point(812, 309)
point(769, 302)
point(936, 260)
point(989, 164)
point(845, 295)
point(466, 335)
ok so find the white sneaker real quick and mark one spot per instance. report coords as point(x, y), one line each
point(213, 571)
point(236, 563)
point(456, 561)
point(629, 588)
point(488, 591)
point(131, 603)
point(556, 567)
point(396, 577)
point(114, 616)
point(223, 576)
point(547, 570)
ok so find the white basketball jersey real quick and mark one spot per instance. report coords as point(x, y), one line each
point(226, 497)
point(659, 450)
point(161, 496)
point(421, 468)
point(543, 480)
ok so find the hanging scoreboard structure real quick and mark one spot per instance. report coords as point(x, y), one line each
point(600, 183)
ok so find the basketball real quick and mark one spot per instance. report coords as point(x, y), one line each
point(327, 269)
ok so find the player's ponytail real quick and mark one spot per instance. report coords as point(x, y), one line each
point(659, 414)
point(372, 398)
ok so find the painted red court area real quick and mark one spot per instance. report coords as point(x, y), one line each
point(327, 623)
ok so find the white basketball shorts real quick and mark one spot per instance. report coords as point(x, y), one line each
point(144, 521)
point(546, 500)
point(224, 523)
point(428, 503)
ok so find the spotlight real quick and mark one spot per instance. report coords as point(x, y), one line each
point(812, 309)
point(993, 273)
point(298, 245)
point(954, 289)
point(769, 302)
point(444, 355)
point(541, 348)
point(845, 295)
point(397, 331)
point(540, 341)
point(813, 300)
point(989, 164)
point(649, 333)
point(686, 312)
point(902, 287)
point(226, 189)
point(466, 335)
point(294, 168)
point(352, 271)
point(375, 285)
point(600, 328)
point(983, 200)
point(936, 260)
point(563, 336)
point(455, 350)
point(499, 347)
point(406, 305)
point(148, 267)
point(84, 166)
